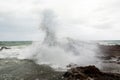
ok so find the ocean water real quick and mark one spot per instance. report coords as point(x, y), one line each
point(27, 43)
point(13, 68)
point(109, 42)
point(15, 48)
point(29, 50)
point(61, 54)
point(15, 43)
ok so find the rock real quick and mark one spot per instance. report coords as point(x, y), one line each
point(89, 73)
point(4, 48)
point(15, 69)
point(110, 50)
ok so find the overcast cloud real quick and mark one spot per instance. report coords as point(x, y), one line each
point(79, 19)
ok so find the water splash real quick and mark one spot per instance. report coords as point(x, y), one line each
point(61, 53)
point(48, 25)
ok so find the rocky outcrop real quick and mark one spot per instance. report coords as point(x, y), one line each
point(110, 50)
point(14, 69)
point(4, 48)
point(89, 73)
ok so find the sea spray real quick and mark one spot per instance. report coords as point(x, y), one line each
point(59, 53)
point(48, 25)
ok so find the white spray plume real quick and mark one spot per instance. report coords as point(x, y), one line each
point(48, 25)
point(61, 53)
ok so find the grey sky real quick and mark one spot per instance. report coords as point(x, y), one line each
point(79, 19)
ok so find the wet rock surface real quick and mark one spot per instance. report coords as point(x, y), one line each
point(110, 50)
point(3, 47)
point(89, 73)
point(14, 69)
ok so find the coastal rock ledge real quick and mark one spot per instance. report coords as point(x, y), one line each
point(89, 73)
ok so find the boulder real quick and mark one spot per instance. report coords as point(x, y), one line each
point(3, 47)
point(89, 73)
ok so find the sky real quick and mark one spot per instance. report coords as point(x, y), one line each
point(78, 19)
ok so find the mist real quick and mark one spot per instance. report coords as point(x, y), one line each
point(58, 52)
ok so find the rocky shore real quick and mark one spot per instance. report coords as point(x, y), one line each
point(89, 73)
point(110, 50)
point(14, 69)
point(110, 57)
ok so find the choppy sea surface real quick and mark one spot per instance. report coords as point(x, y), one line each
point(17, 46)
point(15, 43)
point(20, 43)
point(14, 48)
point(109, 42)
point(12, 68)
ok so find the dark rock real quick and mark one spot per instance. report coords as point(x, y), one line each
point(4, 48)
point(89, 73)
point(110, 50)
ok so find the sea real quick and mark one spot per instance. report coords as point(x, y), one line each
point(15, 43)
point(26, 43)
point(14, 48)
point(28, 48)
point(27, 60)
point(17, 47)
